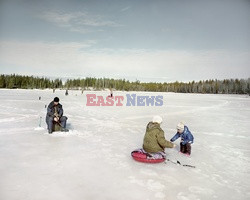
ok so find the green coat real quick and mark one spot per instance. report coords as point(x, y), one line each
point(154, 140)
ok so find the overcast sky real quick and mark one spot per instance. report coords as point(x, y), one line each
point(147, 40)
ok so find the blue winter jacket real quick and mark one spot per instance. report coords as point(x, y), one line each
point(186, 136)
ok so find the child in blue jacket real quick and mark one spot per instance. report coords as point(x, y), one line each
point(186, 138)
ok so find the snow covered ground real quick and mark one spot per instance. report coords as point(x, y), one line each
point(93, 160)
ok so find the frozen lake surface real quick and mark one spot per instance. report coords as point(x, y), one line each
point(93, 160)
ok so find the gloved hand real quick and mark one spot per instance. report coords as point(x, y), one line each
point(56, 119)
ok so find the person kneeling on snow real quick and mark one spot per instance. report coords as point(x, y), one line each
point(55, 115)
point(154, 140)
point(186, 138)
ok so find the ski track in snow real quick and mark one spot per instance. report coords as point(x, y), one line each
point(95, 153)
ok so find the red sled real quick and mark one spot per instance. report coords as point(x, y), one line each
point(141, 156)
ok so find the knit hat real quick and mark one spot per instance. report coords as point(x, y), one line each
point(180, 126)
point(157, 119)
point(56, 99)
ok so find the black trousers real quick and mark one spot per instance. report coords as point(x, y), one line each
point(186, 148)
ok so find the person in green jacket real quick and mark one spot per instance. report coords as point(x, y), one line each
point(154, 140)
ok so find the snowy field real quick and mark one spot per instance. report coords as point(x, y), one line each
point(93, 162)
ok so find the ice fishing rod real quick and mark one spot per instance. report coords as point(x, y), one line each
point(178, 163)
point(40, 121)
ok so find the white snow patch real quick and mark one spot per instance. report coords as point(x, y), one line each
point(38, 128)
point(93, 161)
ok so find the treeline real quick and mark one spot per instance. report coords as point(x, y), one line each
point(226, 86)
point(28, 82)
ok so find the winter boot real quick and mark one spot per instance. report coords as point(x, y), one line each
point(188, 148)
point(182, 148)
point(64, 130)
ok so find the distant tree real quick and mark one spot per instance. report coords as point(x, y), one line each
point(2, 81)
